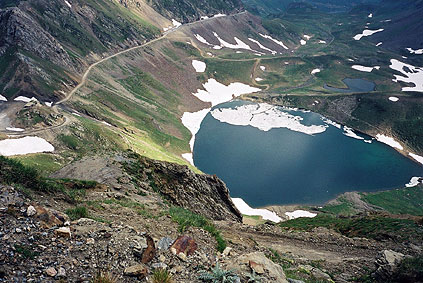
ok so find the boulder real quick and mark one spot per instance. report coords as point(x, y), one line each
point(185, 245)
point(258, 261)
point(51, 271)
point(30, 211)
point(138, 270)
point(64, 232)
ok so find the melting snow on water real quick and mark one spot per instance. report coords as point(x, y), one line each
point(215, 93)
point(364, 68)
point(393, 99)
point(367, 32)
point(199, 66)
point(418, 51)
point(300, 213)
point(389, 141)
point(264, 117)
point(245, 209)
point(24, 145)
point(350, 133)
point(415, 181)
point(410, 74)
point(274, 40)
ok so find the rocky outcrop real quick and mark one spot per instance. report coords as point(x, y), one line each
point(201, 193)
point(387, 264)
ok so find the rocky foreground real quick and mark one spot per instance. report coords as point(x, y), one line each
point(127, 228)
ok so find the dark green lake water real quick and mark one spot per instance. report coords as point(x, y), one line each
point(281, 166)
point(354, 85)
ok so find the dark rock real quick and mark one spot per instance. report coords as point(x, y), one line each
point(185, 245)
point(149, 252)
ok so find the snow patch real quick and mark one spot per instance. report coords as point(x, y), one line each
point(175, 23)
point(410, 74)
point(199, 66)
point(245, 209)
point(307, 37)
point(2, 98)
point(300, 213)
point(367, 32)
point(219, 15)
point(370, 15)
point(259, 79)
point(315, 71)
point(262, 46)
point(239, 43)
point(25, 99)
point(263, 68)
point(364, 68)
point(14, 129)
point(393, 98)
point(201, 39)
point(24, 145)
point(274, 40)
point(264, 117)
point(303, 42)
point(68, 4)
point(188, 157)
point(322, 42)
point(389, 141)
point(379, 44)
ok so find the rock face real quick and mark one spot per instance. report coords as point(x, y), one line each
point(201, 193)
point(190, 10)
point(387, 263)
point(19, 29)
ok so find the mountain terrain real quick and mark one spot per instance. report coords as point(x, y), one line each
point(108, 83)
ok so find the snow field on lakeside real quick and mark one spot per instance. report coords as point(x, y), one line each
point(389, 141)
point(245, 209)
point(300, 213)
